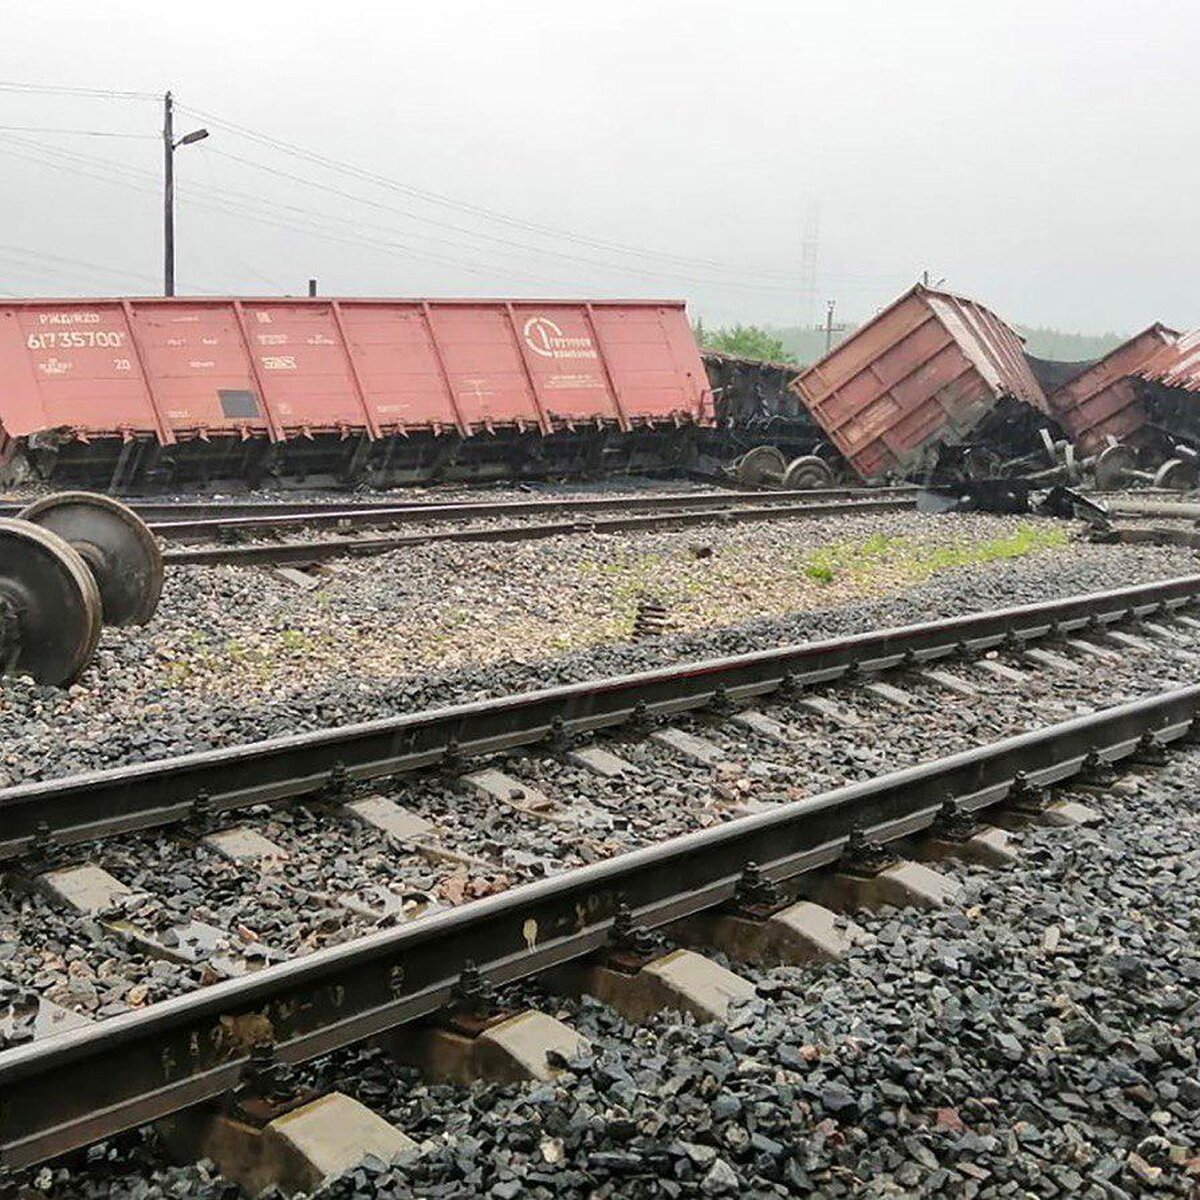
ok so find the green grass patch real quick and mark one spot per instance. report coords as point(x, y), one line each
point(917, 560)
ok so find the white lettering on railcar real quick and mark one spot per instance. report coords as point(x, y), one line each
point(564, 382)
point(278, 362)
point(69, 318)
point(263, 318)
point(76, 339)
point(201, 364)
point(272, 339)
point(320, 339)
point(54, 366)
point(475, 389)
point(210, 341)
point(544, 337)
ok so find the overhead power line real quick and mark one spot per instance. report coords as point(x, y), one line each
point(524, 248)
point(327, 227)
point(127, 177)
point(467, 207)
point(41, 257)
point(239, 204)
point(54, 89)
point(383, 181)
point(75, 132)
point(336, 227)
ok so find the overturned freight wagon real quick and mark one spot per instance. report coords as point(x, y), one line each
point(1103, 403)
point(1170, 382)
point(935, 382)
point(138, 394)
point(1135, 413)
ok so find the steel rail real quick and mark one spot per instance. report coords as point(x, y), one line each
point(1153, 535)
point(374, 516)
point(89, 1083)
point(142, 795)
point(276, 553)
point(206, 518)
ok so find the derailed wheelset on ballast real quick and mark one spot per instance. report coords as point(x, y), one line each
point(765, 467)
point(69, 564)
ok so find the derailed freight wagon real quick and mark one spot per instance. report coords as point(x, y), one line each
point(756, 407)
point(1134, 414)
point(1103, 403)
point(1170, 382)
point(935, 382)
point(130, 394)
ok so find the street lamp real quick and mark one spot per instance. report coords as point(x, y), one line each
point(170, 145)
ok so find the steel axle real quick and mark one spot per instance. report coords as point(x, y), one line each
point(765, 466)
point(68, 565)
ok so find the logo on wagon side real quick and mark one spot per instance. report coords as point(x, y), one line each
point(546, 338)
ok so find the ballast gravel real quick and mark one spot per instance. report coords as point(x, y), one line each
point(238, 654)
point(1036, 1039)
point(329, 879)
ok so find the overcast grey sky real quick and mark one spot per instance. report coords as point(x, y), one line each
point(1039, 156)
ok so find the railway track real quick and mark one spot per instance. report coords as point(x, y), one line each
point(109, 1074)
point(73, 562)
point(203, 519)
point(228, 527)
point(308, 551)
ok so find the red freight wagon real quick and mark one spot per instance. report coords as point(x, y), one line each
point(1103, 401)
point(922, 375)
point(1176, 365)
point(122, 393)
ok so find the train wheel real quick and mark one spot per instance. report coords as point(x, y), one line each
point(760, 466)
point(1175, 474)
point(50, 608)
point(1111, 466)
point(115, 543)
point(807, 472)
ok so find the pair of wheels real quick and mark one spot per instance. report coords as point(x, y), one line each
point(69, 564)
point(1115, 466)
point(766, 466)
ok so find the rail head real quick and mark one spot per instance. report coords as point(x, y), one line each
point(108, 802)
point(89, 1083)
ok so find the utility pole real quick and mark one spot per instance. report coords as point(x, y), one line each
point(168, 195)
point(830, 327)
point(170, 145)
point(312, 287)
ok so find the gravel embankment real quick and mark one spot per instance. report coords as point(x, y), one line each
point(1038, 1038)
point(237, 654)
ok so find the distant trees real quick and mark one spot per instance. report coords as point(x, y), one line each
point(746, 341)
point(1063, 346)
point(806, 344)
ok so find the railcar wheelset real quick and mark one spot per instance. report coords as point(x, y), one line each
point(69, 564)
point(765, 466)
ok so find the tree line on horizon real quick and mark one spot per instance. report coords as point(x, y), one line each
point(806, 344)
